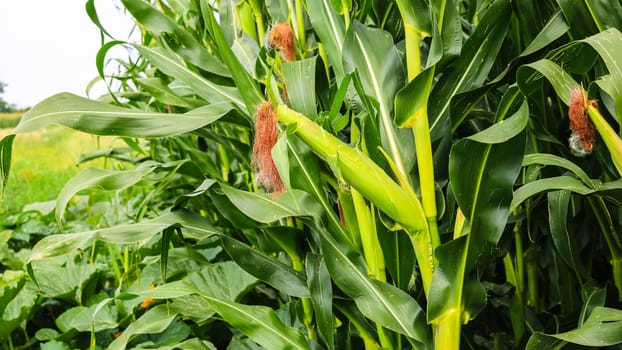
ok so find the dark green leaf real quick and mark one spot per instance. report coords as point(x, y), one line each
point(321, 291)
point(470, 70)
point(383, 303)
point(265, 268)
point(565, 243)
point(260, 323)
point(602, 328)
point(505, 129)
point(550, 159)
point(554, 183)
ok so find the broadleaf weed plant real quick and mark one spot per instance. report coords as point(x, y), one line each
point(341, 175)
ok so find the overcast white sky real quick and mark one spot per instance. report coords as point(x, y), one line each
point(49, 46)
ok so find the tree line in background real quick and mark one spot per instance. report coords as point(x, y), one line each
point(6, 107)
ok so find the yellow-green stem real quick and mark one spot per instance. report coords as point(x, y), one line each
point(425, 164)
point(346, 13)
point(300, 29)
point(369, 238)
point(423, 142)
point(413, 52)
point(307, 308)
point(532, 278)
point(245, 14)
point(261, 30)
point(612, 140)
point(447, 331)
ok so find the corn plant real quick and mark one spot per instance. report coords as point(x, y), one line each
point(351, 174)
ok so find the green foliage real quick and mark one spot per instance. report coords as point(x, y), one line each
point(479, 227)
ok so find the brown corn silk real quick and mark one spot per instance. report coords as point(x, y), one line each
point(282, 38)
point(580, 125)
point(266, 134)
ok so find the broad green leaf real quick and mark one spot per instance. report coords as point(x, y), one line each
point(260, 323)
point(558, 202)
point(594, 297)
point(54, 345)
point(553, 183)
point(331, 30)
point(550, 159)
point(371, 53)
point(171, 64)
point(190, 344)
point(100, 118)
point(225, 280)
point(506, 128)
point(539, 341)
point(155, 320)
point(18, 296)
point(554, 28)
point(161, 92)
point(265, 268)
point(561, 81)
point(171, 290)
point(192, 306)
point(356, 319)
point(463, 103)
point(416, 15)
point(447, 31)
point(412, 101)
point(55, 245)
point(397, 249)
point(103, 179)
point(6, 150)
point(382, 303)
point(470, 70)
point(247, 87)
point(300, 81)
point(484, 197)
point(86, 319)
point(63, 278)
point(266, 208)
point(188, 47)
point(608, 44)
point(602, 328)
point(321, 290)
point(247, 51)
point(591, 16)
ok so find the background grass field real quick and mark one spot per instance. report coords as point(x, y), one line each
point(43, 161)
